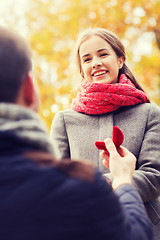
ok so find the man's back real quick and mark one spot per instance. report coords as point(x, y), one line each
point(42, 198)
point(43, 202)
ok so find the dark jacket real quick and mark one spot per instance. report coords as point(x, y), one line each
point(42, 198)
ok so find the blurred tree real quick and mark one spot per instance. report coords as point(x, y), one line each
point(52, 28)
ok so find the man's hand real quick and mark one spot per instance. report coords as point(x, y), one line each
point(120, 161)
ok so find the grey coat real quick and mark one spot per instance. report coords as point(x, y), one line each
point(74, 134)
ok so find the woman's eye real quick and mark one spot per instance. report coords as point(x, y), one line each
point(87, 59)
point(103, 54)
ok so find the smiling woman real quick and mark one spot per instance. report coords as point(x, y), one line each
point(111, 96)
point(99, 62)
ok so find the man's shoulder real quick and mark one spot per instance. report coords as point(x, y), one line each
point(83, 170)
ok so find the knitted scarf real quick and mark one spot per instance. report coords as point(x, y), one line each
point(100, 98)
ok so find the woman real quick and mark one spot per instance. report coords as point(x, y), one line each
point(111, 96)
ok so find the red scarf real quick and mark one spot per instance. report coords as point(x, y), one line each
point(100, 98)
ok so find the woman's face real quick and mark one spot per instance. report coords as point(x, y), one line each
point(99, 62)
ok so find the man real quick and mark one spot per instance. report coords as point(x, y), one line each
point(42, 198)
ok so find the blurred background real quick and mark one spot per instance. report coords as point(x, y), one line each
point(51, 27)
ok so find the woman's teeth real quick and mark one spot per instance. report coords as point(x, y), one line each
point(99, 73)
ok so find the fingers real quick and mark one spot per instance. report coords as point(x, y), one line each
point(121, 163)
point(112, 150)
point(106, 154)
point(123, 151)
point(110, 147)
point(114, 153)
point(106, 162)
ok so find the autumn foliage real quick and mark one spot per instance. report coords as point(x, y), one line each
point(52, 28)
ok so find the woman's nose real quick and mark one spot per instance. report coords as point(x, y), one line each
point(96, 63)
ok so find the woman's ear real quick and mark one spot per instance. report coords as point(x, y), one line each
point(120, 62)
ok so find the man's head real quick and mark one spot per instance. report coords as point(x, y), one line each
point(16, 85)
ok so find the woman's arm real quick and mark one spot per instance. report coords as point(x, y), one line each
point(147, 176)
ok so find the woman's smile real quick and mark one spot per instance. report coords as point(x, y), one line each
point(99, 62)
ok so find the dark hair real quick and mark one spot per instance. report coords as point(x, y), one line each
point(15, 62)
point(114, 42)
